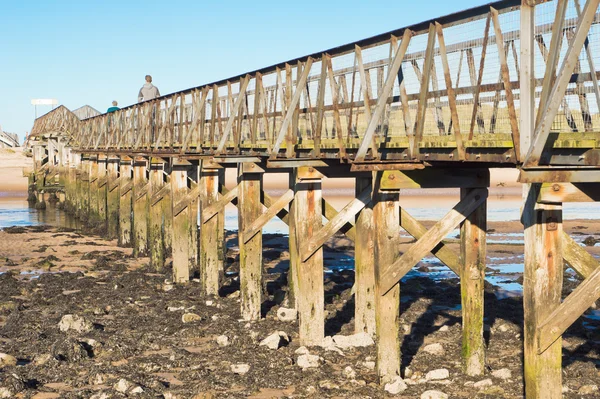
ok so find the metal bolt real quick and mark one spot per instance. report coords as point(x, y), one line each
point(311, 169)
point(555, 187)
point(392, 177)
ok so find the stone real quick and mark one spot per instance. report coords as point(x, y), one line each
point(276, 340)
point(395, 386)
point(222, 340)
point(443, 328)
point(370, 365)
point(190, 317)
point(303, 350)
point(41, 359)
point(137, 390)
point(349, 373)
point(209, 303)
point(75, 323)
point(361, 339)
point(329, 345)
point(503, 328)
point(438, 374)
point(240, 368)
point(7, 360)
point(5, 393)
point(587, 389)
point(308, 361)
point(503, 374)
point(435, 349)
point(287, 314)
point(175, 308)
point(100, 395)
point(167, 287)
point(327, 384)
point(432, 394)
point(483, 383)
point(122, 385)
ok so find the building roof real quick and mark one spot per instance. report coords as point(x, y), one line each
point(86, 112)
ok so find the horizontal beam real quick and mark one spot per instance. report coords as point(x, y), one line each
point(569, 192)
point(435, 178)
point(562, 175)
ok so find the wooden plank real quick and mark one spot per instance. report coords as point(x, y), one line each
point(542, 129)
point(320, 108)
point(159, 194)
point(369, 136)
point(569, 192)
point(198, 119)
point(434, 178)
point(210, 210)
point(273, 210)
point(334, 88)
point(392, 273)
point(330, 212)
point(590, 59)
point(477, 113)
point(460, 148)
point(186, 200)
point(472, 278)
point(364, 265)
point(591, 175)
point(422, 107)
point(578, 258)
point(441, 251)
point(181, 226)
point(344, 216)
point(141, 190)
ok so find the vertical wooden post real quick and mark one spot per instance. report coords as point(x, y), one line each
point(140, 207)
point(113, 197)
point(102, 190)
point(386, 218)
point(93, 190)
point(192, 210)
point(364, 297)
point(472, 277)
point(210, 264)
point(167, 212)
point(292, 276)
point(155, 229)
point(310, 295)
point(221, 225)
point(250, 182)
point(181, 222)
point(125, 201)
point(84, 189)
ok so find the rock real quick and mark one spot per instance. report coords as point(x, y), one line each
point(438, 374)
point(5, 393)
point(136, 390)
point(240, 368)
point(503, 328)
point(75, 323)
point(395, 386)
point(8, 307)
point(100, 395)
point(40, 360)
point(286, 314)
point(308, 361)
point(483, 383)
point(587, 389)
point(209, 303)
point(303, 350)
point(69, 350)
point(434, 395)
point(190, 317)
point(357, 340)
point(169, 395)
point(7, 360)
point(234, 295)
point(329, 345)
point(275, 340)
point(166, 287)
point(369, 365)
point(444, 328)
point(349, 373)
point(122, 385)
point(222, 340)
point(503, 374)
point(327, 384)
point(435, 349)
point(175, 308)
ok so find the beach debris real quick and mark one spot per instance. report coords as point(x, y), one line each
point(276, 340)
point(309, 361)
point(76, 323)
point(438, 374)
point(222, 340)
point(190, 317)
point(503, 374)
point(240, 368)
point(395, 386)
point(5, 393)
point(287, 314)
point(303, 350)
point(349, 373)
point(122, 385)
point(361, 339)
point(483, 383)
point(588, 389)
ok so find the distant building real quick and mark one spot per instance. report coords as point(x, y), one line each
point(8, 140)
point(86, 112)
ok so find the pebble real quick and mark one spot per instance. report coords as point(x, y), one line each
point(167, 287)
point(303, 350)
point(209, 303)
point(327, 384)
point(287, 314)
point(369, 365)
point(439, 374)
point(483, 383)
point(40, 360)
point(503, 328)
point(175, 308)
point(349, 373)
point(395, 386)
point(276, 340)
point(329, 345)
point(5, 393)
point(222, 340)
point(100, 395)
point(75, 323)
point(434, 395)
point(240, 368)
point(122, 385)
point(503, 374)
point(190, 317)
point(308, 361)
point(588, 389)
point(444, 328)
point(7, 360)
point(136, 390)
point(435, 349)
point(361, 339)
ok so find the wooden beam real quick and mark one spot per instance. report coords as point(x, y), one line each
point(211, 210)
point(434, 178)
point(578, 258)
point(181, 226)
point(422, 107)
point(273, 210)
point(477, 112)
point(211, 245)
point(159, 194)
point(552, 175)
point(234, 110)
point(364, 265)
point(569, 192)
point(392, 273)
point(188, 198)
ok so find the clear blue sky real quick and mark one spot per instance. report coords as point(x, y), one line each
point(93, 52)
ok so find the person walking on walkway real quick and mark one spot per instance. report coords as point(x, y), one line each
point(113, 108)
point(148, 90)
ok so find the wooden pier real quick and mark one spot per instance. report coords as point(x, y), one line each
point(435, 105)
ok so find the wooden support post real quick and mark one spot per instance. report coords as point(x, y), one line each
point(364, 296)
point(84, 190)
point(125, 202)
point(250, 179)
point(167, 212)
point(140, 207)
point(386, 216)
point(210, 250)
point(93, 216)
point(192, 210)
point(472, 277)
point(292, 276)
point(113, 197)
point(102, 191)
point(181, 221)
point(310, 295)
point(155, 229)
point(542, 294)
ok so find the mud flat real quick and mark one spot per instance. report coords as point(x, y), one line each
point(133, 339)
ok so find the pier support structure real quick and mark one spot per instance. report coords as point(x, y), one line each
point(125, 201)
point(112, 197)
point(141, 187)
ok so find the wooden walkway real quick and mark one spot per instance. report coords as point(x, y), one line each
point(434, 105)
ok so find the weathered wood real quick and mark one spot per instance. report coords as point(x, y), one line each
point(210, 262)
point(113, 198)
point(310, 291)
point(186, 201)
point(102, 191)
point(249, 209)
point(569, 192)
point(386, 221)
point(155, 228)
point(472, 277)
point(125, 203)
point(364, 265)
point(434, 178)
point(330, 212)
point(235, 107)
point(292, 276)
point(422, 107)
point(392, 273)
point(477, 112)
point(93, 216)
point(140, 208)
point(542, 294)
point(274, 209)
point(192, 211)
point(181, 226)
point(216, 207)
point(578, 258)
point(167, 205)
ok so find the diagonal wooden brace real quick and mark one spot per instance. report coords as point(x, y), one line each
point(102, 182)
point(191, 196)
point(113, 185)
point(126, 188)
point(141, 191)
point(263, 219)
point(578, 258)
point(392, 274)
point(216, 207)
point(160, 194)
